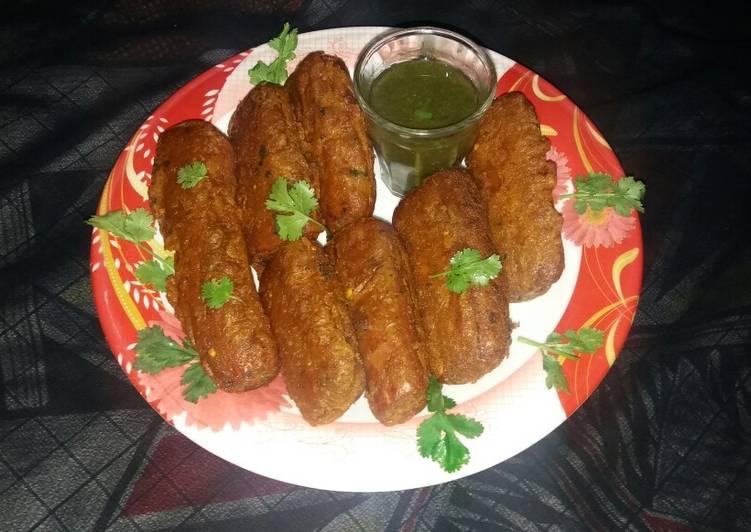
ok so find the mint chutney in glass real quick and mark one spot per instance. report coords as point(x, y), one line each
point(423, 94)
point(423, 91)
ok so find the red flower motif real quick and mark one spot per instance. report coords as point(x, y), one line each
point(603, 228)
point(165, 392)
point(563, 173)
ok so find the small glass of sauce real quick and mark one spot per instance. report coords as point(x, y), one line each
point(423, 91)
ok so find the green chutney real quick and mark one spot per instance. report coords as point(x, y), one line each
point(423, 94)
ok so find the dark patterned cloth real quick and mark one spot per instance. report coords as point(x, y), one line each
point(663, 444)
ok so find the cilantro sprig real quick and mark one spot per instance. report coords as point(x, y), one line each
point(216, 292)
point(586, 340)
point(598, 191)
point(295, 204)
point(156, 352)
point(469, 268)
point(136, 227)
point(155, 272)
point(437, 436)
point(276, 72)
point(197, 383)
point(191, 174)
point(133, 227)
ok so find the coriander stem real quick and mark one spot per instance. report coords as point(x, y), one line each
point(585, 195)
point(528, 341)
point(160, 260)
point(545, 348)
point(319, 224)
point(461, 269)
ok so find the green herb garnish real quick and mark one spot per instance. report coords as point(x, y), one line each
point(468, 268)
point(216, 292)
point(189, 175)
point(133, 227)
point(156, 352)
point(598, 191)
point(296, 203)
point(586, 340)
point(197, 383)
point(276, 72)
point(136, 227)
point(437, 436)
point(155, 273)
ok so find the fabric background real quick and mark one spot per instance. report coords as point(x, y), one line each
point(664, 443)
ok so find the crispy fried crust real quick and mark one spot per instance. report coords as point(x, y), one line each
point(311, 322)
point(508, 161)
point(268, 144)
point(371, 263)
point(321, 92)
point(202, 226)
point(468, 334)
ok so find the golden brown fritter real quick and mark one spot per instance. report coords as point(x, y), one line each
point(372, 265)
point(268, 144)
point(311, 323)
point(202, 226)
point(468, 334)
point(334, 126)
point(508, 161)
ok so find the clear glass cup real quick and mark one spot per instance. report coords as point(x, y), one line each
point(407, 155)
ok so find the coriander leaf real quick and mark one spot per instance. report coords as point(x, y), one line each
point(216, 292)
point(453, 453)
point(632, 192)
point(448, 403)
point(189, 175)
point(466, 426)
point(261, 72)
point(555, 376)
point(585, 340)
point(597, 191)
point(155, 272)
point(468, 268)
point(285, 43)
point(428, 436)
point(303, 197)
point(156, 351)
point(134, 227)
point(198, 383)
point(436, 436)
point(555, 344)
point(276, 72)
point(296, 203)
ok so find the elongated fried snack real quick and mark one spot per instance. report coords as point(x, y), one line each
point(517, 181)
point(311, 323)
point(268, 144)
point(202, 226)
point(467, 334)
point(321, 92)
point(371, 263)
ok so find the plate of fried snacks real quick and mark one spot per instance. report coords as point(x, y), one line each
point(272, 299)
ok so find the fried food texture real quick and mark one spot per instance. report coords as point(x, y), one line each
point(372, 266)
point(202, 226)
point(467, 334)
point(310, 320)
point(334, 126)
point(516, 180)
